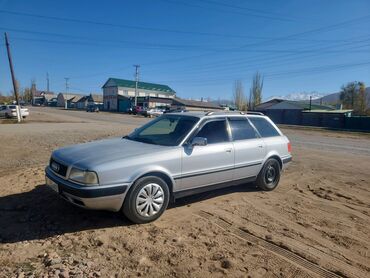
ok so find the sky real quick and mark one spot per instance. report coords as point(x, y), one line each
point(197, 47)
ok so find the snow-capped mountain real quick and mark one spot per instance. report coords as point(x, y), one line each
point(299, 96)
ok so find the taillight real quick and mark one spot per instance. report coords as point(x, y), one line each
point(289, 147)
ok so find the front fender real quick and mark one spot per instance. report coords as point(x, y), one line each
point(151, 169)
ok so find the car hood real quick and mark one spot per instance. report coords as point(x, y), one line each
point(90, 154)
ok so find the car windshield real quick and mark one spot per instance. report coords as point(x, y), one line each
point(167, 130)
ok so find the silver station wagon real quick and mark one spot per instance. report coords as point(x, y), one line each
point(172, 156)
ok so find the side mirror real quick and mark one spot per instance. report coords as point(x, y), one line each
point(199, 141)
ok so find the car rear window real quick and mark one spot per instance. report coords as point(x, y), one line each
point(241, 129)
point(264, 127)
point(12, 106)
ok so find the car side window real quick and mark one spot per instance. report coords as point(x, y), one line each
point(264, 127)
point(215, 131)
point(241, 129)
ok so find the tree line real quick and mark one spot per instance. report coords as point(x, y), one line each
point(353, 96)
point(25, 94)
point(241, 102)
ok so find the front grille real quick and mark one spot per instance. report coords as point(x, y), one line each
point(58, 168)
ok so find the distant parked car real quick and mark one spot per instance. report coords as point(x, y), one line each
point(176, 110)
point(153, 112)
point(92, 108)
point(172, 156)
point(10, 111)
point(136, 110)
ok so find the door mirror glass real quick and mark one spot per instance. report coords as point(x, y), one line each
point(199, 141)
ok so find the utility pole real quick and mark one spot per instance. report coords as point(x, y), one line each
point(310, 102)
point(15, 86)
point(47, 83)
point(67, 88)
point(136, 81)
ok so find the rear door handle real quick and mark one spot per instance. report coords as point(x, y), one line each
point(228, 150)
point(260, 146)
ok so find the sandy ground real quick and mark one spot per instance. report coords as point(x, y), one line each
point(316, 223)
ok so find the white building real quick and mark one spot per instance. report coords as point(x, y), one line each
point(119, 94)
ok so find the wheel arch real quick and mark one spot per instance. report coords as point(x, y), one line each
point(274, 156)
point(157, 173)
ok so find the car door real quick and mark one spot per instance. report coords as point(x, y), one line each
point(249, 148)
point(209, 164)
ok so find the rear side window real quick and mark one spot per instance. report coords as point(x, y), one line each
point(264, 127)
point(214, 131)
point(241, 129)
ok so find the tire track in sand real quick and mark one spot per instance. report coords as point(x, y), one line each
point(277, 250)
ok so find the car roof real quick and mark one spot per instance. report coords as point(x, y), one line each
point(202, 114)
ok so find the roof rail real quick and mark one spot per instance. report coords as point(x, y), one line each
point(254, 113)
point(209, 113)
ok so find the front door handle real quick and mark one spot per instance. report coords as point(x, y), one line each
point(228, 150)
point(260, 146)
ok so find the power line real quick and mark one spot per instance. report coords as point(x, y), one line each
point(297, 72)
point(260, 60)
point(158, 48)
point(312, 31)
point(156, 44)
point(283, 17)
point(133, 27)
point(250, 13)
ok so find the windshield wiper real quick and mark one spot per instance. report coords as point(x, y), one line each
point(139, 139)
point(144, 140)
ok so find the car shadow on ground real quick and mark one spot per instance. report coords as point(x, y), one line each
point(40, 213)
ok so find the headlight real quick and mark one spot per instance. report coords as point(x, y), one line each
point(85, 177)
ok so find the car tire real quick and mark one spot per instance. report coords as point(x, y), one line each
point(146, 200)
point(7, 115)
point(269, 176)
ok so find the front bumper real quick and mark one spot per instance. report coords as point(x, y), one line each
point(90, 197)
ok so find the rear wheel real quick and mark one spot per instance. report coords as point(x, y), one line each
point(269, 177)
point(147, 200)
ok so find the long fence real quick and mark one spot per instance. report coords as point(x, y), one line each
point(329, 120)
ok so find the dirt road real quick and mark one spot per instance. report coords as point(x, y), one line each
point(316, 223)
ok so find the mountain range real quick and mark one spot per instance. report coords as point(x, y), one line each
point(318, 98)
point(298, 96)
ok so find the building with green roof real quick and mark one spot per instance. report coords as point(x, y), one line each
point(119, 94)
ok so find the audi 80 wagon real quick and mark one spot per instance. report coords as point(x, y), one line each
point(174, 155)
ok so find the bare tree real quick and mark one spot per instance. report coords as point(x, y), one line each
point(5, 99)
point(348, 95)
point(26, 95)
point(255, 93)
point(239, 96)
point(362, 99)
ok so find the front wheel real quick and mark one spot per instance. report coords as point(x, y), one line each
point(147, 200)
point(269, 177)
